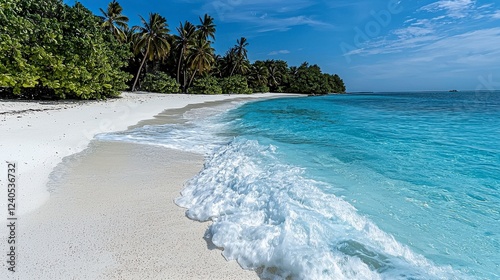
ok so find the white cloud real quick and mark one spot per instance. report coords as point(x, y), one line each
point(422, 30)
point(413, 31)
point(462, 9)
point(467, 47)
point(279, 52)
point(470, 52)
point(265, 15)
point(284, 24)
point(452, 8)
point(410, 20)
point(486, 6)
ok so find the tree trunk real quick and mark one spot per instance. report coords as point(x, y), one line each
point(139, 72)
point(192, 77)
point(232, 71)
point(184, 81)
point(179, 66)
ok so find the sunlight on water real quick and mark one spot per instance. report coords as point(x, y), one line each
point(380, 186)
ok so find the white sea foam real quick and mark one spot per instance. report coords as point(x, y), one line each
point(199, 134)
point(266, 214)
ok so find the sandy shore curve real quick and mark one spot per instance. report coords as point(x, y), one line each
point(111, 214)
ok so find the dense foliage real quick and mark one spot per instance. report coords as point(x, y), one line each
point(159, 82)
point(206, 85)
point(52, 50)
point(234, 85)
point(310, 79)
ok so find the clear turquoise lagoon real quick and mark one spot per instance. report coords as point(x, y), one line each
point(355, 186)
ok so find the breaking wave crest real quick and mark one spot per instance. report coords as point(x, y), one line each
point(267, 215)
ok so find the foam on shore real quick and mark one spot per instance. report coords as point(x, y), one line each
point(38, 135)
point(110, 214)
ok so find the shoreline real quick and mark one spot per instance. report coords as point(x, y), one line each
point(112, 216)
point(41, 134)
point(62, 222)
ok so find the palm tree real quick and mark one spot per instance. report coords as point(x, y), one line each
point(218, 67)
point(130, 37)
point(275, 75)
point(201, 58)
point(258, 74)
point(183, 42)
point(240, 53)
point(206, 27)
point(279, 73)
point(114, 21)
point(152, 39)
point(226, 63)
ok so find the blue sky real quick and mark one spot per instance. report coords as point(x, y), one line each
point(373, 45)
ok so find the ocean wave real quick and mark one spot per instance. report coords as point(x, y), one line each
point(267, 215)
point(197, 131)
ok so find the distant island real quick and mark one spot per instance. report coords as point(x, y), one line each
point(453, 90)
point(72, 53)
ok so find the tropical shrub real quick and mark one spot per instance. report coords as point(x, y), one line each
point(309, 79)
point(260, 89)
point(160, 82)
point(206, 85)
point(235, 85)
point(337, 84)
point(52, 50)
point(279, 75)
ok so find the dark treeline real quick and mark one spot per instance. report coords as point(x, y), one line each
point(52, 50)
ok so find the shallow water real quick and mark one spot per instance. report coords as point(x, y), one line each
point(373, 186)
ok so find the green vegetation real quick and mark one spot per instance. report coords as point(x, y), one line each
point(115, 21)
point(52, 50)
point(150, 41)
point(55, 51)
point(206, 85)
point(159, 82)
point(235, 84)
point(309, 79)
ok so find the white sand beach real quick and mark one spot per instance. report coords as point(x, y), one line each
point(111, 216)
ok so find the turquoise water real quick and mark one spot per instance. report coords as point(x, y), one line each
point(358, 186)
